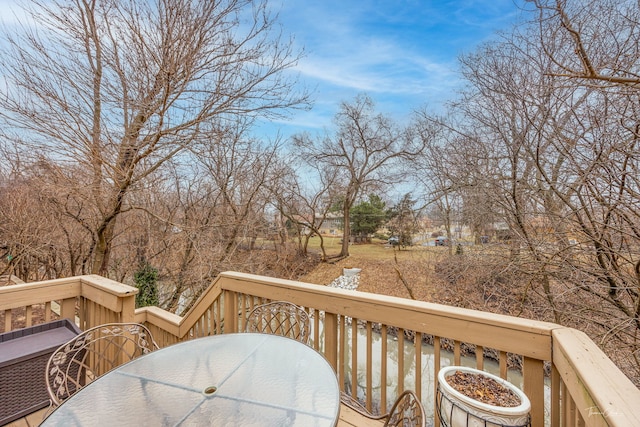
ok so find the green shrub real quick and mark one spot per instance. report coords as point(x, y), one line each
point(146, 279)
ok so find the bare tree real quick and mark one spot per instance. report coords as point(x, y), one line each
point(548, 127)
point(594, 43)
point(366, 150)
point(120, 87)
point(437, 169)
point(595, 48)
point(403, 220)
point(35, 229)
point(307, 205)
point(240, 170)
point(27, 242)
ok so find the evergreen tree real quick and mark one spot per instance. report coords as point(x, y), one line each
point(146, 279)
point(367, 216)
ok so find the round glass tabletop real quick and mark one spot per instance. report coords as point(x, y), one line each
point(242, 379)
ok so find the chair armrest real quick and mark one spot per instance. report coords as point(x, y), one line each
point(357, 406)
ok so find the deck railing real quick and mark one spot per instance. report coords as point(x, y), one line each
point(376, 343)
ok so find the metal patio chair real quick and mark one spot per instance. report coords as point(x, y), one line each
point(93, 353)
point(280, 318)
point(406, 411)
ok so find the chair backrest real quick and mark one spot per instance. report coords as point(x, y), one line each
point(407, 411)
point(93, 353)
point(280, 318)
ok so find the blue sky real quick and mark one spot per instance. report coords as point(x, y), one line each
point(403, 53)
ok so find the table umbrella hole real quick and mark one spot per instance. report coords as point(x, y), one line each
point(210, 390)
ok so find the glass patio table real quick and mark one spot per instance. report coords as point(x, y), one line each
point(242, 379)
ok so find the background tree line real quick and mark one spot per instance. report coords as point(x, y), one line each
point(545, 139)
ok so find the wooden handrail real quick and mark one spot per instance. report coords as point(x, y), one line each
point(611, 400)
point(527, 337)
point(586, 386)
point(27, 294)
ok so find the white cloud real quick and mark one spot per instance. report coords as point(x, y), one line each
point(13, 13)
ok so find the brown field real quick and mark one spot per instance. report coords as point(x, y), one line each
point(476, 279)
point(385, 269)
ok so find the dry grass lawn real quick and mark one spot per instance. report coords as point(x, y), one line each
point(385, 269)
point(426, 273)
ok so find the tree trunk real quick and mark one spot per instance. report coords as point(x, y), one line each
point(106, 230)
point(103, 247)
point(346, 231)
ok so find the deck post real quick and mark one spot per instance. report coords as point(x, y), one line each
point(230, 312)
point(68, 309)
point(331, 339)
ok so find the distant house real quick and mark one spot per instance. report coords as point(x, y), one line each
point(331, 225)
point(301, 223)
point(502, 231)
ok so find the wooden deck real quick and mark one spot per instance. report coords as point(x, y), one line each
point(568, 379)
point(348, 418)
point(30, 420)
